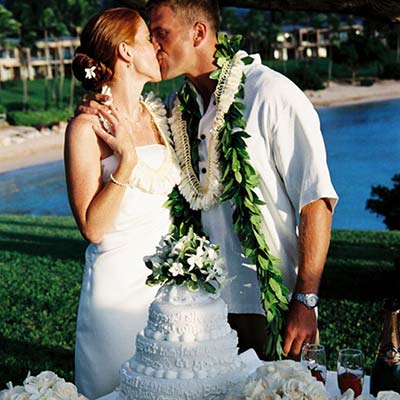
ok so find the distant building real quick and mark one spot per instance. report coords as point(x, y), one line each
point(299, 42)
point(45, 59)
point(55, 57)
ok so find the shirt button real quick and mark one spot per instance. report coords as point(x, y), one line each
point(203, 170)
point(202, 136)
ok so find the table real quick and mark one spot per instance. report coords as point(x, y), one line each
point(250, 358)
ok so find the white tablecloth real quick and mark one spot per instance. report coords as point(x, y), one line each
point(251, 360)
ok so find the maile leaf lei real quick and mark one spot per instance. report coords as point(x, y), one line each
point(238, 181)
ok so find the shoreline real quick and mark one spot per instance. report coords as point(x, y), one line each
point(22, 147)
point(338, 94)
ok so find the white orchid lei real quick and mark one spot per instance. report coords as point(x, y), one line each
point(230, 177)
point(191, 260)
point(198, 196)
point(47, 386)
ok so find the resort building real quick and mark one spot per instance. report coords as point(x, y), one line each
point(299, 42)
point(48, 58)
point(54, 57)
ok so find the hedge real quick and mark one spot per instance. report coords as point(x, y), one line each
point(41, 264)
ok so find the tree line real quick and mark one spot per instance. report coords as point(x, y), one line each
point(377, 43)
point(44, 19)
point(47, 19)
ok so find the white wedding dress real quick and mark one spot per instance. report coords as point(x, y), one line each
point(114, 298)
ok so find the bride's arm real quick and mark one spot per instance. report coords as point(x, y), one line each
point(94, 205)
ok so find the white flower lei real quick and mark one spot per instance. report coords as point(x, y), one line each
point(198, 196)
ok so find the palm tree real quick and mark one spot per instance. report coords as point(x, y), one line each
point(8, 27)
point(333, 25)
point(27, 35)
point(75, 15)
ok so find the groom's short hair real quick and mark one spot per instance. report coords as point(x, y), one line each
point(191, 10)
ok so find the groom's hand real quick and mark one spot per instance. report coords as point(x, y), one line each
point(91, 103)
point(300, 328)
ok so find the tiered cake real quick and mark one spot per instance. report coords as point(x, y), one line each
point(187, 351)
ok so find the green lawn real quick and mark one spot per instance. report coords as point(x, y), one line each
point(11, 92)
point(41, 262)
point(11, 97)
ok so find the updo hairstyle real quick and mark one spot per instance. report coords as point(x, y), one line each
point(99, 45)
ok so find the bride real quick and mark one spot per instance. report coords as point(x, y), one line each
point(119, 169)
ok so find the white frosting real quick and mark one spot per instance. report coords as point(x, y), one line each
point(187, 350)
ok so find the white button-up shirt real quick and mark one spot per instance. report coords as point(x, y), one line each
point(286, 149)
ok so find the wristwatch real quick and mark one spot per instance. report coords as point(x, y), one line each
point(310, 300)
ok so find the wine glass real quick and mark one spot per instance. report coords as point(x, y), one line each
point(313, 356)
point(350, 370)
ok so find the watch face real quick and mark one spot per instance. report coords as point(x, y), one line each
point(312, 300)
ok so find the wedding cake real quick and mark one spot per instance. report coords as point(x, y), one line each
point(187, 350)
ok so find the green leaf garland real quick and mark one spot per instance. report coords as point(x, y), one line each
point(239, 180)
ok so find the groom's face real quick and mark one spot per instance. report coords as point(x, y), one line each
point(172, 41)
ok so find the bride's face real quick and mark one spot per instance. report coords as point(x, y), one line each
point(145, 59)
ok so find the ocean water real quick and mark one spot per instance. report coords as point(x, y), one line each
point(37, 190)
point(363, 149)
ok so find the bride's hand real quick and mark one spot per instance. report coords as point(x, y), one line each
point(119, 135)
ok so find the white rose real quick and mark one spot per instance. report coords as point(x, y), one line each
point(12, 392)
point(293, 389)
point(35, 384)
point(31, 384)
point(347, 395)
point(21, 396)
point(317, 391)
point(253, 389)
point(65, 390)
point(366, 397)
point(47, 379)
point(47, 394)
point(5, 394)
point(388, 395)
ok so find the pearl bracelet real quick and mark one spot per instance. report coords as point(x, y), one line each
point(113, 180)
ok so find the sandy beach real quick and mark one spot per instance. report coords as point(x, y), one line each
point(25, 146)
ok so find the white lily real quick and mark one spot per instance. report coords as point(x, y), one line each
point(212, 254)
point(176, 269)
point(196, 259)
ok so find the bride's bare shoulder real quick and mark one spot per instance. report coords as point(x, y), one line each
point(81, 124)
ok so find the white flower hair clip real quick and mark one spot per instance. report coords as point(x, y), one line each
point(107, 91)
point(90, 72)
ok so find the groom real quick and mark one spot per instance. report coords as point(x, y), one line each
point(286, 150)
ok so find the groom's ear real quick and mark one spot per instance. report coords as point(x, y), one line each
point(199, 33)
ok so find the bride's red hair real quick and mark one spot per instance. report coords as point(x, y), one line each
point(99, 44)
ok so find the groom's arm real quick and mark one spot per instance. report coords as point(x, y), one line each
point(314, 238)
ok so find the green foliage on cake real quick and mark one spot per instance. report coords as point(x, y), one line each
point(191, 260)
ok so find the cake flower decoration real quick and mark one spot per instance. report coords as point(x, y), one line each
point(90, 72)
point(192, 261)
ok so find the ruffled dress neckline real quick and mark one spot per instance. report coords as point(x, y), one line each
point(162, 179)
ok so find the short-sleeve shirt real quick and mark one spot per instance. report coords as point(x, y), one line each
point(286, 149)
